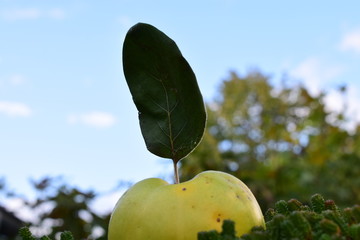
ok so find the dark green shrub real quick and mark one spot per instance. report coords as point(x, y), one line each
point(293, 220)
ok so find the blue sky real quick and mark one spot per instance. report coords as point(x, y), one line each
point(65, 108)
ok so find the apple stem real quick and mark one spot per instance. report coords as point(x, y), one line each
point(177, 180)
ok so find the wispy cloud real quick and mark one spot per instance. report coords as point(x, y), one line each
point(314, 73)
point(31, 14)
point(56, 13)
point(13, 80)
point(351, 41)
point(21, 14)
point(93, 119)
point(15, 109)
point(17, 79)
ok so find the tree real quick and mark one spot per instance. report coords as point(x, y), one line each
point(71, 210)
point(281, 141)
point(60, 207)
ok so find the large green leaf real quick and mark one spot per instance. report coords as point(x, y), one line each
point(165, 91)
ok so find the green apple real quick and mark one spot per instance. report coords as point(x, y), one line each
point(154, 210)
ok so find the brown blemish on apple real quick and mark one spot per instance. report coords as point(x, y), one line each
point(184, 189)
point(218, 219)
point(208, 180)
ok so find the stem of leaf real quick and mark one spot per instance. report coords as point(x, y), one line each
point(176, 171)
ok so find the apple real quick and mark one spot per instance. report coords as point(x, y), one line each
point(152, 209)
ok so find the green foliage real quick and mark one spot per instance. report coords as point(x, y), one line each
point(293, 220)
point(280, 140)
point(26, 234)
point(71, 211)
point(228, 232)
point(165, 91)
point(321, 220)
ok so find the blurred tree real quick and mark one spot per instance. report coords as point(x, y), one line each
point(281, 141)
point(68, 209)
point(9, 223)
point(60, 207)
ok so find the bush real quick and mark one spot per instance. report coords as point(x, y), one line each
point(320, 219)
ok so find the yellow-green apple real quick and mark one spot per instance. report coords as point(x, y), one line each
point(152, 209)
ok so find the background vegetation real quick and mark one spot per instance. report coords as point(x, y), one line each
point(280, 140)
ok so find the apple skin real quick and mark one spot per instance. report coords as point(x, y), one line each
point(152, 209)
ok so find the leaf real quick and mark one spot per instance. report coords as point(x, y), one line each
point(165, 91)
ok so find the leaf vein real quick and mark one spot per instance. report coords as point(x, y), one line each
point(162, 129)
point(180, 131)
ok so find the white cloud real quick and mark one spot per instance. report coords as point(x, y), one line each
point(15, 109)
point(56, 13)
point(315, 74)
point(93, 119)
point(31, 14)
point(21, 14)
point(351, 42)
point(17, 79)
point(12, 80)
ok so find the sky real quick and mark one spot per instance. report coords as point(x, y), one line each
point(65, 108)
